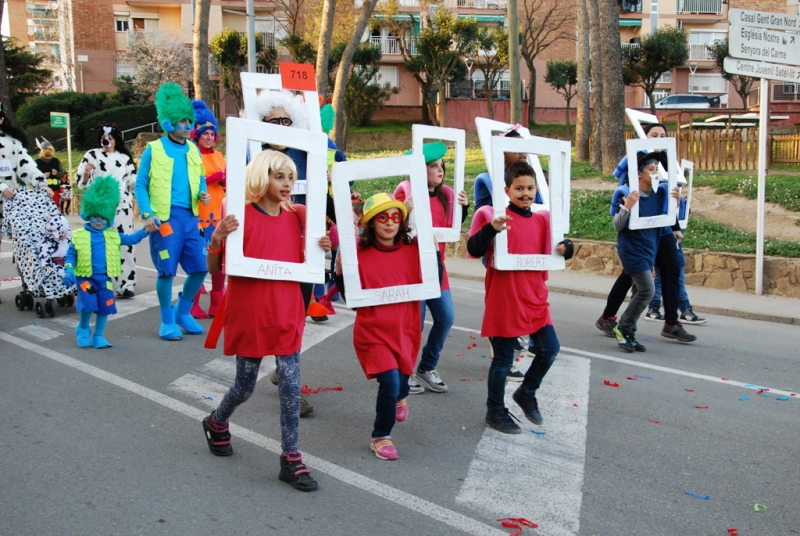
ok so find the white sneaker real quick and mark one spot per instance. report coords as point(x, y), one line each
point(414, 387)
point(432, 381)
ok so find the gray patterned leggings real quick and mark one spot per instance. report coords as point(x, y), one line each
point(288, 368)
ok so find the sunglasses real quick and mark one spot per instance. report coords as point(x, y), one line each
point(282, 121)
point(384, 217)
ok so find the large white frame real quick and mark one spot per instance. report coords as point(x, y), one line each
point(486, 131)
point(354, 170)
point(252, 83)
point(559, 155)
point(687, 167)
point(636, 117)
point(650, 145)
point(315, 144)
point(420, 133)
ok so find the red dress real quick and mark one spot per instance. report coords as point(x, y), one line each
point(516, 301)
point(388, 336)
point(266, 317)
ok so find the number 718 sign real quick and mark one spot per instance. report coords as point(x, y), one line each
point(298, 76)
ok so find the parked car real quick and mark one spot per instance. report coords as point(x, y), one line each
point(692, 102)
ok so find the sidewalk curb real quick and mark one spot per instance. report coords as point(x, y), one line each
point(749, 315)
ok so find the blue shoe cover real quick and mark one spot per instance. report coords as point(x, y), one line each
point(98, 341)
point(184, 319)
point(83, 336)
point(168, 330)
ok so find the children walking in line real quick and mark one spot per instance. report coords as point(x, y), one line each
point(442, 199)
point(264, 317)
point(386, 337)
point(516, 301)
point(93, 259)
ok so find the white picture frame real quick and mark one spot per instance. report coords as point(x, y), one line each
point(649, 145)
point(239, 133)
point(636, 117)
point(487, 129)
point(687, 167)
point(559, 155)
point(420, 133)
point(252, 84)
point(412, 166)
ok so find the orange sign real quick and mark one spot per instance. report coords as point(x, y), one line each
point(298, 76)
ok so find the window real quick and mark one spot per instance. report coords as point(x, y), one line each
point(121, 25)
point(138, 25)
point(665, 78)
point(670, 100)
point(388, 75)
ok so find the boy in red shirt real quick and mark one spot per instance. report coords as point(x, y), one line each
point(527, 314)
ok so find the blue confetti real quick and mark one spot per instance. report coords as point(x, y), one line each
point(642, 377)
point(208, 397)
point(645, 340)
point(765, 394)
point(751, 386)
point(744, 398)
point(696, 496)
point(783, 398)
point(33, 323)
point(537, 433)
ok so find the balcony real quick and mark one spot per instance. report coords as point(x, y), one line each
point(391, 45)
point(700, 7)
point(628, 6)
point(267, 39)
point(483, 4)
point(700, 52)
point(626, 46)
point(43, 14)
point(45, 37)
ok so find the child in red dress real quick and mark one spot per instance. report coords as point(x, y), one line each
point(265, 317)
point(386, 337)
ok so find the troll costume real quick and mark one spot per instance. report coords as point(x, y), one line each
point(169, 185)
point(93, 259)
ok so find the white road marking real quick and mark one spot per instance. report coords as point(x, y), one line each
point(10, 282)
point(544, 483)
point(414, 504)
point(6, 255)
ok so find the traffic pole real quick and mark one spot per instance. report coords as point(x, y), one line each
point(763, 134)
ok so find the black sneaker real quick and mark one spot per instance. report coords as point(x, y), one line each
point(514, 375)
point(624, 341)
point(689, 317)
point(677, 332)
point(218, 437)
point(502, 421)
point(529, 405)
point(637, 346)
point(654, 314)
point(294, 472)
point(607, 325)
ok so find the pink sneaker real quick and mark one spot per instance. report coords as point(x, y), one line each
point(383, 448)
point(401, 411)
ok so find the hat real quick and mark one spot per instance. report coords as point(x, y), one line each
point(203, 120)
point(379, 203)
point(173, 105)
point(659, 156)
point(432, 151)
point(101, 199)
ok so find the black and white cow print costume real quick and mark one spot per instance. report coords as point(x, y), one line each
point(120, 166)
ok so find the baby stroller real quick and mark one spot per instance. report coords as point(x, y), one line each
point(40, 235)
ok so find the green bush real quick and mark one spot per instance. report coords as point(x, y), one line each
point(78, 105)
point(125, 117)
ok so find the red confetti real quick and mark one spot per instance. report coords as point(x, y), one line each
point(475, 345)
point(733, 532)
point(654, 421)
point(610, 383)
point(701, 407)
point(472, 336)
point(762, 391)
point(689, 390)
point(574, 405)
point(631, 378)
point(480, 379)
point(306, 390)
point(725, 379)
point(516, 523)
point(793, 394)
point(464, 379)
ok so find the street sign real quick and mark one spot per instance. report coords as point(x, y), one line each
point(763, 45)
point(764, 19)
point(760, 69)
point(59, 120)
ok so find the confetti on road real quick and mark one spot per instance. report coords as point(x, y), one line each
point(483, 355)
point(464, 379)
point(208, 397)
point(788, 389)
point(783, 399)
point(689, 390)
point(537, 433)
point(758, 507)
point(610, 383)
point(306, 390)
point(516, 523)
point(733, 532)
point(696, 496)
point(701, 407)
point(765, 394)
point(643, 377)
point(725, 379)
point(631, 378)
point(654, 421)
point(745, 398)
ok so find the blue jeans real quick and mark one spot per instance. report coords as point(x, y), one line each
point(392, 388)
point(547, 348)
point(683, 297)
point(443, 315)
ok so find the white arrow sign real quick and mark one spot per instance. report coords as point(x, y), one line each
point(763, 45)
point(763, 19)
point(760, 69)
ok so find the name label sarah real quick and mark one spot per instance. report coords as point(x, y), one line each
point(391, 295)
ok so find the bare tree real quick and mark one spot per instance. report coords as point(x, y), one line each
point(491, 58)
point(597, 82)
point(202, 86)
point(324, 45)
point(542, 23)
point(294, 11)
point(159, 58)
point(613, 143)
point(583, 124)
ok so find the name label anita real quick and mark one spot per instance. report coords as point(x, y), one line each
point(274, 271)
point(392, 295)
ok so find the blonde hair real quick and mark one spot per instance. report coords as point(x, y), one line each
point(256, 181)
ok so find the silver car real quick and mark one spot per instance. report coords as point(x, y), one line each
point(696, 102)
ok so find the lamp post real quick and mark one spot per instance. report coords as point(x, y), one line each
point(692, 70)
point(469, 63)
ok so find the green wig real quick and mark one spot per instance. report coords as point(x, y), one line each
point(172, 105)
point(327, 116)
point(101, 199)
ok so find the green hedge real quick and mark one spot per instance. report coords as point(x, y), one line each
point(125, 117)
point(37, 110)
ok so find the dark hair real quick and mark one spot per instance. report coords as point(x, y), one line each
point(358, 208)
point(10, 130)
point(650, 126)
point(439, 193)
point(645, 159)
point(119, 143)
point(518, 169)
point(368, 236)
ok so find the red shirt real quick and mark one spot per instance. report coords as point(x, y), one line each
point(388, 336)
point(516, 301)
point(266, 317)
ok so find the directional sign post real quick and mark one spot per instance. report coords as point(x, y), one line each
point(61, 120)
point(763, 45)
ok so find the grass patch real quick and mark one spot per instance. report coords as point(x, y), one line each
point(590, 219)
point(384, 126)
point(783, 190)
